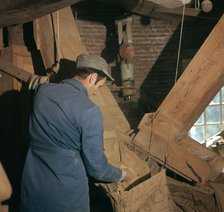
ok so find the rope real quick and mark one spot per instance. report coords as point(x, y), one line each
point(177, 66)
point(181, 31)
point(58, 36)
point(55, 38)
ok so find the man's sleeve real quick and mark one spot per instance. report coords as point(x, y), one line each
point(93, 155)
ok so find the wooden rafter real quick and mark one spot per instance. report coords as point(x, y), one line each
point(198, 85)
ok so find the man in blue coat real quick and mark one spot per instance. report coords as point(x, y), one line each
point(66, 143)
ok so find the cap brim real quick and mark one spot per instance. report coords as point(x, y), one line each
point(109, 77)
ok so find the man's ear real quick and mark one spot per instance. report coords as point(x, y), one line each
point(92, 78)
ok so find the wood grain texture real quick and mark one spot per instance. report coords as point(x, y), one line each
point(189, 97)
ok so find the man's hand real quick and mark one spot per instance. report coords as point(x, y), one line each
point(126, 175)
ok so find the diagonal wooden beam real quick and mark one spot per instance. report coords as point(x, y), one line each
point(198, 85)
point(14, 71)
point(28, 10)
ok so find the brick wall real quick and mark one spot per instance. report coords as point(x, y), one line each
point(93, 35)
point(156, 47)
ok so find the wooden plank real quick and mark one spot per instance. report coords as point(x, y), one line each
point(14, 71)
point(16, 35)
point(170, 3)
point(219, 194)
point(21, 58)
point(112, 115)
point(1, 40)
point(198, 85)
point(60, 29)
point(28, 10)
point(5, 186)
point(114, 119)
point(214, 160)
point(44, 39)
point(179, 11)
point(196, 148)
point(4, 208)
point(21, 67)
point(191, 146)
point(71, 38)
point(171, 155)
point(105, 98)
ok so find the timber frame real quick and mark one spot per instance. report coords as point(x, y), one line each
point(163, 136)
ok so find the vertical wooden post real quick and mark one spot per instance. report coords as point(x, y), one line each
point(1, 39)
point(5, 186)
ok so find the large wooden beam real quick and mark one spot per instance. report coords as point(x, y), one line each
point(22, 11)
point(59, 30)
point(5, 186)
point(200, 82)
point(14, 71)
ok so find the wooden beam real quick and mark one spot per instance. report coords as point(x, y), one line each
point(28, 10)
point(14, 71)
point(45, 39)
point(5, 186)
point(59, 30)
point(170, 3)
point(69, 35)
point(179, 11)
point(1, 39)
point(197, 86)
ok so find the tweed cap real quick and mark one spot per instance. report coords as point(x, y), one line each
point(95, 62)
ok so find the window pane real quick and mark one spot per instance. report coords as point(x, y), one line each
point(197, 133)
point(201, 119)
point(211, 120)
point(216, 99)
point(212, 114)
point(212, 130)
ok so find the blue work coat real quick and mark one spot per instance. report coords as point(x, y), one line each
point(66, 145)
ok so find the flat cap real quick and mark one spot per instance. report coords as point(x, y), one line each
point(93, 61)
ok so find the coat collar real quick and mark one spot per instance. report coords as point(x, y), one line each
point(76, 84)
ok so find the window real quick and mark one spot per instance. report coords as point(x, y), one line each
point(211, 120)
